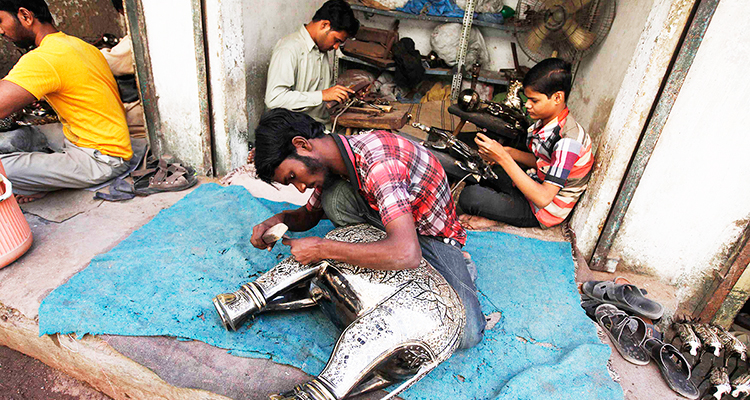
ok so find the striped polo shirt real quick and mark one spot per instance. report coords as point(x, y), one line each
point(564, 159)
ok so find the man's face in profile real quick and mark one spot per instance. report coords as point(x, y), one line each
point(328, 39)
point(12, 30)
point(332, 40)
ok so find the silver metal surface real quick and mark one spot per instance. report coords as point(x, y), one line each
point(397, 325)
point(510, 111)
point(235, 308)
point(513, 99)
point(741, 385)
point(470, 162)
point(468, 100)
point(719, 380)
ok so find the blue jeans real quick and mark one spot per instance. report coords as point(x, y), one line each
point(343, 206)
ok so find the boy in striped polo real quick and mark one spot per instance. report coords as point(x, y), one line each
point(559, 160)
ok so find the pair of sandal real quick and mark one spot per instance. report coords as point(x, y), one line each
point(624, 296)
point(628, 334)
point(162, 176)
point(635, 339)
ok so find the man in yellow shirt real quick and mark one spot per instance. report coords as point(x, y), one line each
point(74, 78)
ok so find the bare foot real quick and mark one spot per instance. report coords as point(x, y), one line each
point(21, 199)
point(475, 222)
point(251, 156)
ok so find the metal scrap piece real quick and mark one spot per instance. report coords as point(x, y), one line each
point(731, 344)
point(688, 337)
point(719, 380)
point(708, 338)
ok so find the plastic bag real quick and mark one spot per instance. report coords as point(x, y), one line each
point(446, 8)
point(445, 39)
point(351, 77)
point(386, 87)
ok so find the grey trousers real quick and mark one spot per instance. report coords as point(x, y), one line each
point(343, 206)
point(69, 167)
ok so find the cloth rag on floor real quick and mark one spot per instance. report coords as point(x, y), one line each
point(161, 279)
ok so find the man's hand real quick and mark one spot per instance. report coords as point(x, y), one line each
point(306, 250)
point(337, 93)
point(259, 230)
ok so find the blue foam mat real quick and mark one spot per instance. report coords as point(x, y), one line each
point(161, 279)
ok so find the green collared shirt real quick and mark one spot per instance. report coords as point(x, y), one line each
point(297, 75)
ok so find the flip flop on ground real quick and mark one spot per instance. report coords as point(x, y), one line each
point(624, 296)
point(674, 368)
point(626, 332)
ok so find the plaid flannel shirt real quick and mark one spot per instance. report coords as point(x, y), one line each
point(397, 177)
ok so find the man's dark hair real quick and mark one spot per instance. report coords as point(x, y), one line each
point(550, 76)
point(273, 139)
point(117, 4)
point(340, 15)
point(38, 7)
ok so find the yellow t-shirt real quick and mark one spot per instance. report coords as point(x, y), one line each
point(74, 78)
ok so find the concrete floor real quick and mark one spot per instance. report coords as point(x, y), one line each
point(159, 367)
point(23, 378)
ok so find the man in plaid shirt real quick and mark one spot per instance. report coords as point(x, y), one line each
point(377, 178)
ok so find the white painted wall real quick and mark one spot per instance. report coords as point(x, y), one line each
point(176, 76)
point(225, 53)
point(635, 96)
point(240, 37)
point(694, 200)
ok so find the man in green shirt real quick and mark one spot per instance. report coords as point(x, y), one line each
point(300, 76)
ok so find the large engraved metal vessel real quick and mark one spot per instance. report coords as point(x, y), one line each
point(396, 325)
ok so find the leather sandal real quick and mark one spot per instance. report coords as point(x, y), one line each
point(625, 296)
point(626, 333)
point(165, 177)
point(674, 368)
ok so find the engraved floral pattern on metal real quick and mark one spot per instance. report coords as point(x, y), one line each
point(404, 321)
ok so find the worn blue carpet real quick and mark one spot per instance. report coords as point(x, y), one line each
point(161, 279)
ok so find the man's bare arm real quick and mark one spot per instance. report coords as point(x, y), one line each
point(298, 220)
point(399, 250)
point(13, 98)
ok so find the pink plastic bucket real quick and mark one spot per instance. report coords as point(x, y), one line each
point(15, 234)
